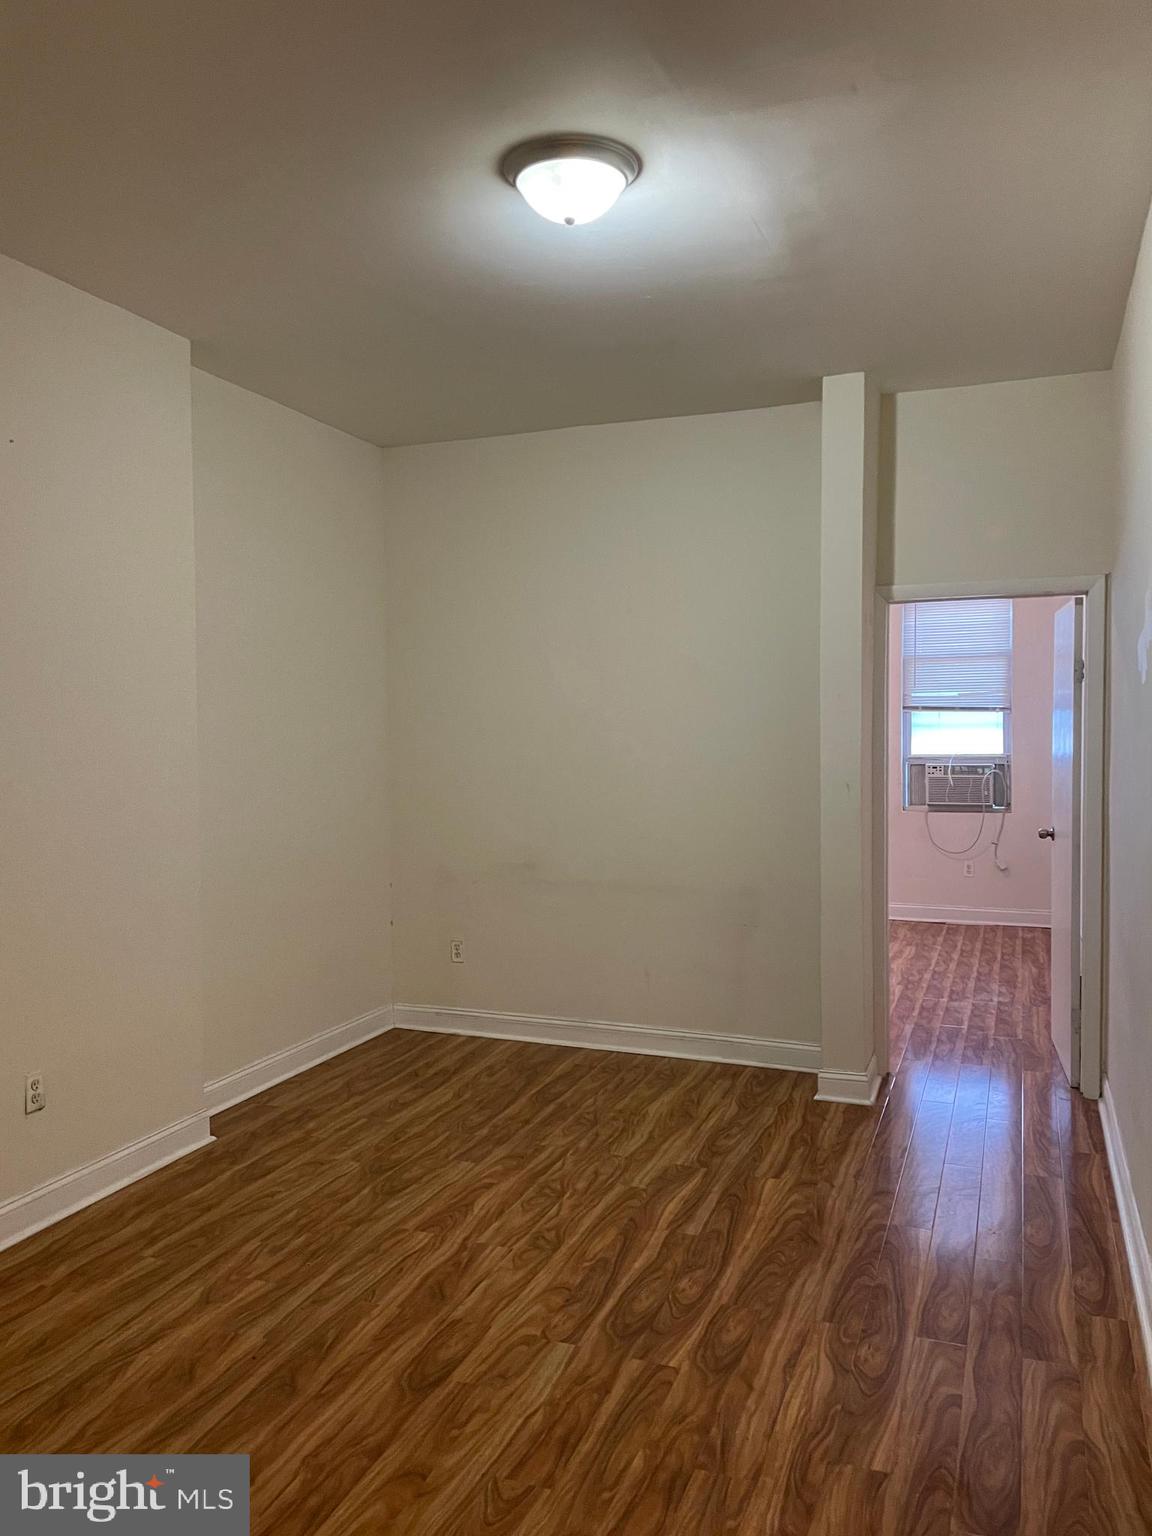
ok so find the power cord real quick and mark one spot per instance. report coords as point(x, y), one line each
point(986, 805)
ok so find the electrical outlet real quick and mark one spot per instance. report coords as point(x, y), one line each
point(34, 1093)
point(969, 868)
point(456, 949)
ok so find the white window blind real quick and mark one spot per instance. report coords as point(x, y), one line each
point(958, 655)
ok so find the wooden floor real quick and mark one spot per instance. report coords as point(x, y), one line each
point(454, 1287)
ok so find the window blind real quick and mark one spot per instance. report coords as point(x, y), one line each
point(958, 655)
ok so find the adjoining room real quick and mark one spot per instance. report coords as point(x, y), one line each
point(976, 867)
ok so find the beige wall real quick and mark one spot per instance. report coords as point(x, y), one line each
point(604, 694)
point(919, 875)
point(998, 482)
point(1128, 1057)
point(291, 625)
point(98, 869)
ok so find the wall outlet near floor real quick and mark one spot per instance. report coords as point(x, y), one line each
point(34, 1093)
point(456, 950)
point(969, 867)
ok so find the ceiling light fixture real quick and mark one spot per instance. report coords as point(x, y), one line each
point(570, 178)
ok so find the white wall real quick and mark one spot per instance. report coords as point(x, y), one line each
point(1128, 1057)
point(998, 482)
point(98, 851)
point(922, 879)
point(291, 627)
point(852, 1007)
point(604, 692)
point(602, 698)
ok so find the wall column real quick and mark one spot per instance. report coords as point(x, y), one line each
point(850, 870)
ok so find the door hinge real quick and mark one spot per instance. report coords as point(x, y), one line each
point(1081, 669)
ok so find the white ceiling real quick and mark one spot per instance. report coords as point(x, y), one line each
point(941, 191)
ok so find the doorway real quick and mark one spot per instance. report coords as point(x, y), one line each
point(992, 829)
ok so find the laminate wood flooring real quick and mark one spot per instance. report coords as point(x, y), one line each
point(442, 1286)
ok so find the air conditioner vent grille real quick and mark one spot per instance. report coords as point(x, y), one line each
point(942, 784)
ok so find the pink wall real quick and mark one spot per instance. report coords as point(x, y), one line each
point(922, 881)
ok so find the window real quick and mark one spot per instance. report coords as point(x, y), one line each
point(957, 690)
point(956, 732)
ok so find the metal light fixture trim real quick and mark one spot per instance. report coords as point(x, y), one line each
point(545, 192)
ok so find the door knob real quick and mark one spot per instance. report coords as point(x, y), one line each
point(1049, 832)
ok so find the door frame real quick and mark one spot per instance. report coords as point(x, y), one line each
point(1094, 811)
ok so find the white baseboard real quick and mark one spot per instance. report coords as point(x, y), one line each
point(223, 1092)
point(51, 1202)
point(850, 1087)
point(1000, 917)
point(598, 1035)
point(1135, 1242)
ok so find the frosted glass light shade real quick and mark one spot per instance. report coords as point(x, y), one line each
point(571, 190)
point(570, 178)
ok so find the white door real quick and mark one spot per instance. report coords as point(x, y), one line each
point(1064, 836)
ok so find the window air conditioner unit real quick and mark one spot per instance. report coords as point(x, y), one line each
point(940, 784)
